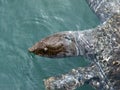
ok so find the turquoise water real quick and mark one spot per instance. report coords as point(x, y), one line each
point(24, 22)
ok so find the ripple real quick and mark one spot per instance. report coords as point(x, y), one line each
point(38, 21)
point(59, 18)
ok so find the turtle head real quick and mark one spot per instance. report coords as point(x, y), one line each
point(54, 46)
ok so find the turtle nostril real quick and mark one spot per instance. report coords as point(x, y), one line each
point(31, 49)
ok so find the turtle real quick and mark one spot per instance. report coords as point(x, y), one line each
point(99, 45)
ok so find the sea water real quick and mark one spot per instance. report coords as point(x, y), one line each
point(24, 22)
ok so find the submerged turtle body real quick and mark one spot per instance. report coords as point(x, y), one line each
point(103, 73)
point(107, 47)
point(100, 45)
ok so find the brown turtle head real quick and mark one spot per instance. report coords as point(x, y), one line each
point(54, 46)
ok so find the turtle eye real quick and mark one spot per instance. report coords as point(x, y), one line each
point(45, 49)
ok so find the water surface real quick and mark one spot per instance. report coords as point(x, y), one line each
point(24, 22)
